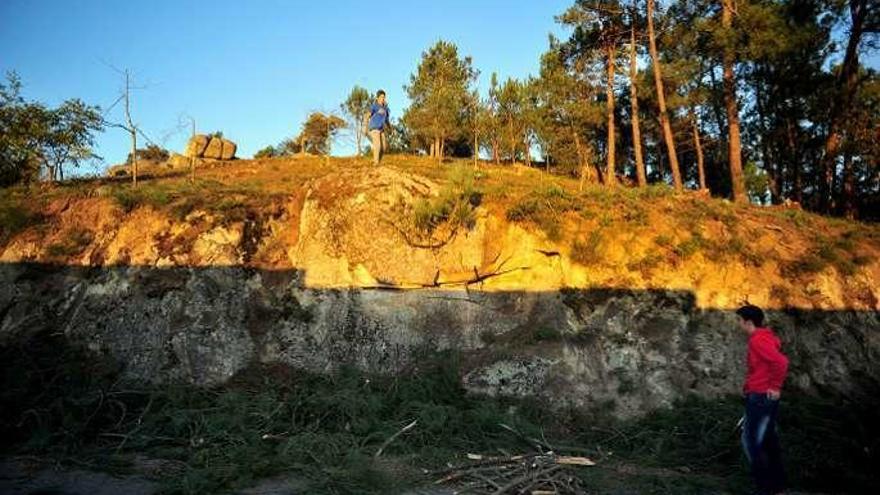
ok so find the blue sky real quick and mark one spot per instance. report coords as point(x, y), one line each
point(253, 68)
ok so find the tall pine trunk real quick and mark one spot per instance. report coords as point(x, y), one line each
point(797, 188)
point(661, 102)
point(847, 80)
point(634, 106)
point(610, 177)
point(698, 146)
point(849, 205)
point(734, 145)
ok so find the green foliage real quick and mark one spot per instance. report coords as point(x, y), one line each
point(838, 252)
point(151, 152)
point(757, 182)
point(586, 252)
point(72, 244)
point(356, 108)
point(440, 95)
point(319, 131)
point(691, 246)
point(267, 152)
point(15, 214)
point(59, 401)
point(544, 207)
point(129, 198)
point(511, 117)
point(546, 334)
point(566, 110)
point(34, 137)
point(455, 204)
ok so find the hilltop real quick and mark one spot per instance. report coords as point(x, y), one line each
point(283, 314)
point(415, 223)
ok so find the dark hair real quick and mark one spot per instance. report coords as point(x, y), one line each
point(379, 93)
point(751, 313)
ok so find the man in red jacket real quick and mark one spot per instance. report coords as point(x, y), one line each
point(766, 370)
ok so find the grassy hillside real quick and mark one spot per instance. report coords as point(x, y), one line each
point(622, 237)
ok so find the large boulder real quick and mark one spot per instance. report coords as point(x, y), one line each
point(228, 150)
point(214, 150)
point(210, 147)
point(196, 145)
point(177, 161)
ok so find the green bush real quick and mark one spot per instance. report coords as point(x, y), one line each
point(544, 208)
point(73, 243)
point(586, 252)
point(59, 402)
point(129, 198)
point(455, 205)
point(15, 216)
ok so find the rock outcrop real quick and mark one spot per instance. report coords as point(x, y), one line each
point(187, 300)
point(210, 147)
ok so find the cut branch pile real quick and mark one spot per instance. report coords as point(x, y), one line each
point(530, 474)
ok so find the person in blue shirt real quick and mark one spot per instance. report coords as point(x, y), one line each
point(378, 122)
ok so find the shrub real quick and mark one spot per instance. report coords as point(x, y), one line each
point(129, 198)
point(455, 205)
point(544, 208)
point(73, 243)
point(14, 215)
point(586, 252)
point(267, 152)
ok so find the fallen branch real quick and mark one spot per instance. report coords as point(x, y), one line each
point(392, 437)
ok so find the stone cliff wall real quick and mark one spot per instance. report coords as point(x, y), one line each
point(349, 284)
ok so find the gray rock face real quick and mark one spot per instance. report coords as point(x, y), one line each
point(627, 349)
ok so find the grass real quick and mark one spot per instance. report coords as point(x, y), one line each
point(72, 244)
point(837, 252)
point(586, 252)
point(455, 204)
point(15, 214)
point(544, 207)
point(325, 429)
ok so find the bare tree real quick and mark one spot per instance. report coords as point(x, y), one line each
point(129, 125)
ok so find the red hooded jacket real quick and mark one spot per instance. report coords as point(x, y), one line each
point(766, 364)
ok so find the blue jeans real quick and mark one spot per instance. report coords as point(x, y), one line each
point(761, 443)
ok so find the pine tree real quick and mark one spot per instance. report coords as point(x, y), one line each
point(439, 91)
point(355, 108)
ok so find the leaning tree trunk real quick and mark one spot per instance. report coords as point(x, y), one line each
point(734, 145)
point(641, 175)
point(661, 102)
point(847, 81)
point(610, 177)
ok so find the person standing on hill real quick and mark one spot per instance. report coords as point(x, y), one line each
point(766, 370)
point(377, 123)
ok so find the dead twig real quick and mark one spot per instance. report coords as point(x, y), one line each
point(392, 437)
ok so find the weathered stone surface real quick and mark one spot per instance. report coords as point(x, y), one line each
point(228, 150)
point(178, 161)
point(632, 350)
point(210, 147)
point(214, 150)
point(196, 145)
point(176, 300)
